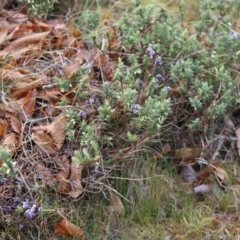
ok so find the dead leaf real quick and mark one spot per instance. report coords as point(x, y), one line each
point(220, 173)
point(63, 175)
point(187, 155)
point(9, 143)
point(57, 130)
point(115, 204)
point(64, 227)
point(44, 142)
point(29, 102)
point(51, 136)
point(3, 128)
point(25, 41)
point(75, 180)
point(14, 122)
point(44, 173)
point(3, 33)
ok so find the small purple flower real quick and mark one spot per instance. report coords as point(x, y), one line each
point(30, 213)
point(25, 203)
point(158, 61)
point(4, 181)
point(83, 114)
point(168, 88)
point(20, 226)
point(16, 199)
point(217, 18)
point(140, 82)
point(91, 100)
point(234, 34)
point(151, 52)
point(136, 107)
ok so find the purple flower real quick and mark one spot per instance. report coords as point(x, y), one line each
point(30, 213)
point(83, 114)
point(20, 226)
point(151, 52)
point(234, 34)
point(158, 61)
point(136, 107)
point(168, 88)
point(91, 100)
point(16, 199)
point(4, 181)
point(140, 82)
point(25, 203)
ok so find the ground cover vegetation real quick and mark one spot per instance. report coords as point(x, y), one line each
point(119, 122)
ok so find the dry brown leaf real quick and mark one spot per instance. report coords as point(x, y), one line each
point(57, 130)
point(44, 142)
point(51, 136)
point(9, 143)
point(220, 173)
point(187, 155)
point(75, 180)
point(3, 33)
point(21, 88)
point(64, 227)
point(71, 70)
point(25, 41)
point(63, 175)
point(44, 173)
point(29, 102)
point(15, 123)
point(3, 128)
point(104, 63)
point(14, 16)
point(115, 204)
point(23, 53)
point(11, 75)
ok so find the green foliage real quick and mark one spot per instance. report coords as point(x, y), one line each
point(8, 166)
point(40, 7)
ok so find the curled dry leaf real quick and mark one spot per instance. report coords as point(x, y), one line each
point(29, 102)
point(14, 122)
point(63, 175)
point(64, 227)
point(51, 136)
point(57, 130)
point(44, 142)
point(44, 173)
point(25, 41)
point(9, 143)
point(21, 88)
point(187, 155)
point(75, 180)
point(220, 173)
point(115, 204)
point(3, 128)
point(3, 33)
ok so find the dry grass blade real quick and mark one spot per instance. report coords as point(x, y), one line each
point(64, 227)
